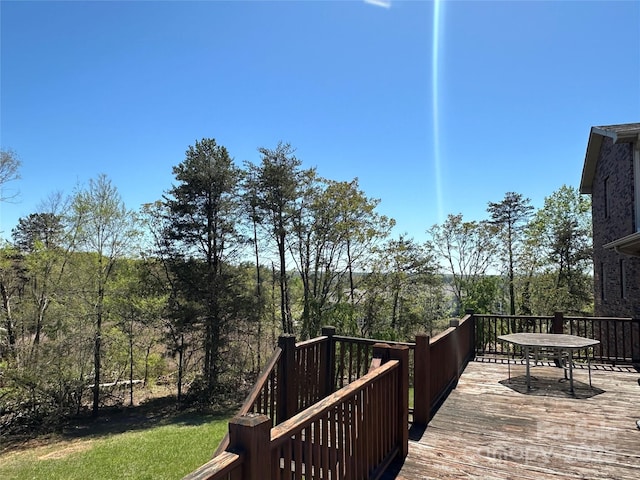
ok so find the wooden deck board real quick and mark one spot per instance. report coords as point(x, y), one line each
point(491, 428)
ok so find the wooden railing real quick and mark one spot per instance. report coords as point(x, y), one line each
point(223, 466)
point(263, 396)
point(353, 433)
point(295, 377)
point(619, 337)
point(439, 362)
point(352, 359)
point(353, 356)
point(338, 407)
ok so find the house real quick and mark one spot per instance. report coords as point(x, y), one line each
point(611, 175)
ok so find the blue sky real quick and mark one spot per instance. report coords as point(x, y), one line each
point(436, 108)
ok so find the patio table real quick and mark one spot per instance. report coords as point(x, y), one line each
point(553, 341)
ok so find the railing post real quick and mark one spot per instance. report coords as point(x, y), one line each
point(473, 340)
point(558, 323)
point(401, 353)
point(251, 435)
point(381, 351)
point(455, 344)
point(328, 362)
point(422, 380)
point(287, 399)
point(635, 340)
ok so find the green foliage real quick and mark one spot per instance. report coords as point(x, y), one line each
point(466, 251)
point(105, 229)
point(510, 217)
point(333, 227)
point(201, 212)
point(559, 249)
point(482, 295)
point(395, 298)
point(280, 182)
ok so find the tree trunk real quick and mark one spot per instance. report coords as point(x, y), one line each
point(146, 365)
point(131, 364)
point(96, 351)
point(285, 309)
point(259, 309)
point(6, 303)
point(512, 294)
point(96, 364)
point(180, 367)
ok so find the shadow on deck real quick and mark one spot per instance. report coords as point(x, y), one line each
point(492, 428)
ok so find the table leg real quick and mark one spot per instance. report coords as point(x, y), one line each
point(589, 365)
point(571, 371)
point(526, 354)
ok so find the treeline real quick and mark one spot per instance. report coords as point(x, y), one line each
point(194, 289)
point(521, 261)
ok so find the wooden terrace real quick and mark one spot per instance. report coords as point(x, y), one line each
point(337, 407)
point(489, 428)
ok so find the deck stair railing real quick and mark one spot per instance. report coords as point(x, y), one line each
point(338, 407)
point(352, 433)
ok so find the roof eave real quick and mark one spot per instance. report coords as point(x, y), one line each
point(591, 158)
point(593, 152)
point(629, 245)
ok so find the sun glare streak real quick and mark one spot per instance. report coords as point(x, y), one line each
point(435, 95)
point(379, 3)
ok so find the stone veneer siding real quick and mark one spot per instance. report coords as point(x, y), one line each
point(615, 163)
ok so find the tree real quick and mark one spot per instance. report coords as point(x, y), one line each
point(559, 238)
point(40, 237)
point(9, 166)
point(161, 261)
point(410, 270)
point(138, 306)
point(396, 290)
point(38, 230)
point(251, 205)
point(12, 280)
point(360, 227)
point(53, 347)
point(436, 305)
point(202, 211)
point(43, 239)
point(279, 180)
point(467, 250)
point(315, 249)
point(510, 217)
point(105, 230)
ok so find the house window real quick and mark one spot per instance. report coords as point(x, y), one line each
point(606, 197)
point(623, 280)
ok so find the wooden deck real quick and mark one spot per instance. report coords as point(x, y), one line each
point(489, 428)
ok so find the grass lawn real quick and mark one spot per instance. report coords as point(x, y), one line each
point(148, 444)
point(166, 449)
